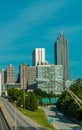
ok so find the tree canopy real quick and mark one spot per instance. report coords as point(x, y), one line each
point(67, 104)
point(23, 99)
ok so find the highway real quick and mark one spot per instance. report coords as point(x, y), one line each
point(21, 122)
point(3, 124)
point(59, 120)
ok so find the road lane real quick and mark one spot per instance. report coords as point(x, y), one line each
point(60, 121)
point(3, 124)
point(20, 120)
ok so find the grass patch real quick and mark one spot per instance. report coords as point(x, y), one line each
point(39, 117)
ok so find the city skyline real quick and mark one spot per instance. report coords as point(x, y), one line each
point(36, 24)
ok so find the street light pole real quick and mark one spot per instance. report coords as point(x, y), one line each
point(24, 100)
point(15, 116)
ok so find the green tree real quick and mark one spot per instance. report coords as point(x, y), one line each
point(33, 102)
point(41, 93)
point(67, 104)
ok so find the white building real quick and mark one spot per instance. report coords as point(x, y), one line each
point(38, 56)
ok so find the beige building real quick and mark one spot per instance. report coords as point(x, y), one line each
point(23, 75)
point(27, 76)
point(31, 77)
point(10, 75)
point(7, 77)
point(2, 79)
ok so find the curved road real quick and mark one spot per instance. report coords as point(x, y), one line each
point(3, 124)
point(59, 120)
point(21, 122)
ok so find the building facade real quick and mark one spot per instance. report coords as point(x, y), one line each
point(2, 80)
point(27, 76)
point(38, 56)
point(31, 77)
point(62, 55)
point(23, 75)
point(68, 83)
point(49, 78)
point(10, 75)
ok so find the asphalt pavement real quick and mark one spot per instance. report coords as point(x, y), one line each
point(59, 120)
point(3, 123)
point(21, 122)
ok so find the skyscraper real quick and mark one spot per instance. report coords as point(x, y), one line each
point(38, 56)
point(62, 55)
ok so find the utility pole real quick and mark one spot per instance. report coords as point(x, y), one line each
point(15, 117)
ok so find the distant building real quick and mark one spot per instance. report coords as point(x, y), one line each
point(7, 79)
point(10, 75)
point(31, 77)
point(44, 63)
point(15, 85)
point(2, 79)
point(38, 56)
point(23, 76)
point(68, 83)
point(62, 55)
point(27, 76)
point(46, 75)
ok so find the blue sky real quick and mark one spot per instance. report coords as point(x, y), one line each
point(29, 24)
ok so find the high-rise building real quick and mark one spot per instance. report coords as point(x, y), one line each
point(7, 79)
point(2, 79)
point(23, 76)
point(46, 75)
point(31, 77)
point(62, 55)
point(10, 75)
point(38, 56)
point(27, 76)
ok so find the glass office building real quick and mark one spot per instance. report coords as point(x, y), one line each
point(49, 78)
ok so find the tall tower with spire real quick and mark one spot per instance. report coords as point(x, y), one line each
point(62, 55)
